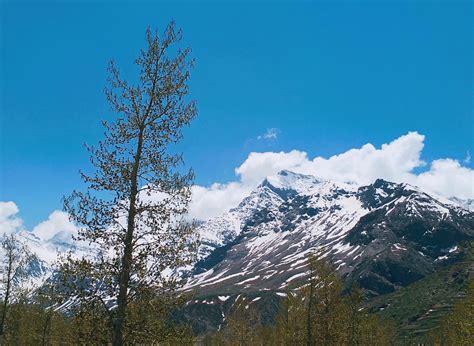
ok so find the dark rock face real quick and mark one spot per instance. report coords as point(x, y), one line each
point(383, 236)
point(422, 231)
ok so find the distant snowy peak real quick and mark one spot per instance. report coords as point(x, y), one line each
point(465, 203)
point(289, 181)
point(47, 252)
point(304, 184)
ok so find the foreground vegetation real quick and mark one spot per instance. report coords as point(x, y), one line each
point(319, 313)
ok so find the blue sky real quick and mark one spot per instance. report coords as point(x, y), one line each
point(329, 75)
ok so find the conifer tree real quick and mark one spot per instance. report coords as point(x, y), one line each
point(132, 211)
point(355, 315)
point(289, 327)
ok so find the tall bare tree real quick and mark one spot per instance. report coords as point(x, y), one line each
point(132, 211)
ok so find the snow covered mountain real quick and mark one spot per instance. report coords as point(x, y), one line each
point(46, 253)
point(383, 235)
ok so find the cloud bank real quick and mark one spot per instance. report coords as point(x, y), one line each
point(56, 226)
point(9, 220)
point(395, 161)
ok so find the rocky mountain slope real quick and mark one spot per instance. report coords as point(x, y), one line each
point(419, 308)
point(46, 255)
point(384, 235)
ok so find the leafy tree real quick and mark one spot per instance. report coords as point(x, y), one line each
point(32, 324)
point(243, 323)
point(325, 306)
point(16, 260)
point(375, 331)
point(289, 329)
point(151, 319)
point(52, 326)
point(319, 313)
point(356, 318)
point(132, 211)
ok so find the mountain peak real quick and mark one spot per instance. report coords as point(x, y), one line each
point(285, 172)
point(288, 180)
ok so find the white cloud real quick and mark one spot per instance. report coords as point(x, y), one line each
point(394, 161)
point(448, 178)
point(271, 133)
point(216, 199)
point(257, 166)
point(9, 220)
point(57, 226)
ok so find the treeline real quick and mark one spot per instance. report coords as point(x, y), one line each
point(33, 324)
point(69, 309)
point(318, 313)
point(323, 313)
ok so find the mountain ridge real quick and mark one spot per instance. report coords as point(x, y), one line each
point(286, 218)
point(370, 232)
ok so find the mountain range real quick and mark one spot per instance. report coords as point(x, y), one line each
point(384, 236)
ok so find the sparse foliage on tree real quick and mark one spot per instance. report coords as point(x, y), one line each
point(321, 313)
point(316, 312)
point(242, 325)
point(16, 260)
point(132, 211)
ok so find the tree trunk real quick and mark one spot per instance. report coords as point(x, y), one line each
point(46, 327)
point(7, 296)
point(124, 279)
